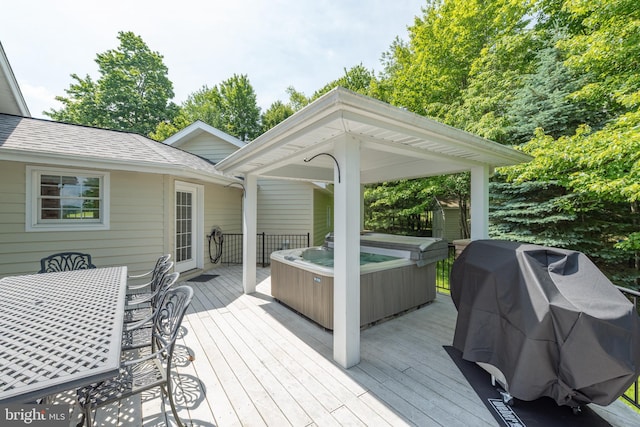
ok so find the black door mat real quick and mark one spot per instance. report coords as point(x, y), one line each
point(203, 278)
point(543, 412)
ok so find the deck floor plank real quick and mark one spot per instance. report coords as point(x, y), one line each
point(256, 362)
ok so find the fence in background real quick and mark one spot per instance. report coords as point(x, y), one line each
point(632, 395)
point(267, 243)
point(443, 268)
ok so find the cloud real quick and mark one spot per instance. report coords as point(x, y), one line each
point(276, 43)
point(38, 98)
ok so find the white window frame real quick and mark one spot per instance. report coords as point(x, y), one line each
point(33, 220)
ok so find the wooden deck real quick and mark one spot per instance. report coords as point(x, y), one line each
point(257, 363)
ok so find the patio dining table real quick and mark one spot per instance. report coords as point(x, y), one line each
point(59, 331)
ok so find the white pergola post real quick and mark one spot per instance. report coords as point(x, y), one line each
point(480, 202)
point(346, 273)
point(249, 231)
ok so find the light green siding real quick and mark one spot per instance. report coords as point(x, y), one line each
point(209, 146)
point(285, 207)
point(141, 222)
point(322, 216)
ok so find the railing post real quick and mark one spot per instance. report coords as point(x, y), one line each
point(263, 249)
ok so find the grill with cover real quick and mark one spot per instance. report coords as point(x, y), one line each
point(546, 320)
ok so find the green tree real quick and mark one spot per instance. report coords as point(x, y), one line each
point(544, 100)
point(240, 114)
point(429, 73)
point(607, 51)
point(276, 113)
point(357, 79)
point(133, 91)
point(230, 106)
point(403, 206)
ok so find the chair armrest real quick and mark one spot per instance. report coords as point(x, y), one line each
point(142, 323)
point(141, 286)
point(137, 276)
point(155, 355)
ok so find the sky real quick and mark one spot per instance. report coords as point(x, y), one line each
point(276, 43)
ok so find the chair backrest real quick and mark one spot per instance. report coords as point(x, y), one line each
point(168, 319)
point(163, 265)
point(164, 259)
point(163, 285)
point(65, 261)
point(159, 275)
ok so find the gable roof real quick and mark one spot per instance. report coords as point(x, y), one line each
point(393, 143)
point(197, 128)
point(39, 141)
point(11, 99)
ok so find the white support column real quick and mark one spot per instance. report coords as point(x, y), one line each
point(346, 272)
point(480, 202)
point(249, 231)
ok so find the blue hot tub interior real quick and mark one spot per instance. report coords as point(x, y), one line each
point(324, 257)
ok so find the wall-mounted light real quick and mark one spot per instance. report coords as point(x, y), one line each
point(325, 154)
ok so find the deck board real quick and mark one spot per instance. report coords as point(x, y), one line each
point(258, 363)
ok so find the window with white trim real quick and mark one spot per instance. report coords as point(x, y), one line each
point(67, 199)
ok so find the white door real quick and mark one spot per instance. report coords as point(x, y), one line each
point(188, 242)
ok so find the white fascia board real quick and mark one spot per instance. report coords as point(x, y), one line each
point(183, 135)
point(119, 165)
point(312, 115)
point(6, 70)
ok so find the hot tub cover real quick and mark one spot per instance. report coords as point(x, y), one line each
point(548, 319)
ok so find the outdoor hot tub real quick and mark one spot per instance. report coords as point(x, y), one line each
point(397, 274)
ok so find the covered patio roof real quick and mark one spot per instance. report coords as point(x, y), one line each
point(350, 140)
point(394, 144)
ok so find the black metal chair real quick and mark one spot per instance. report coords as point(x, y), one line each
point(147, 372)
point(153, 272)
point(65, 261)
point(139, 304)
point(139, 334)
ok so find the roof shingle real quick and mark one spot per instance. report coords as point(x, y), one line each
point(43, 137)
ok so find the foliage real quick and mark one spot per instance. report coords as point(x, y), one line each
point(543, 101)
point(231, 107)
point(131, 94)
point(564, 86)
point(403, 206)
point(357, 79)
point(429, 73)
point(608, 51)
point(276, 113)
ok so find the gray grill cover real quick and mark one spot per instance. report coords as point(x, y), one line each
point(548, 319)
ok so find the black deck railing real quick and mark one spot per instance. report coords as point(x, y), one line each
point(266, 243)
point(443, 268)
point(632, 394)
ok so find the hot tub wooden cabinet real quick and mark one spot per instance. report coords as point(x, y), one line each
point(308, 289)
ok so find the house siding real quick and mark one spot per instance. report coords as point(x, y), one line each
point(141, 223)
point(209, 147)
point(284, 207)
point(322, 216)
point(446, 224)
